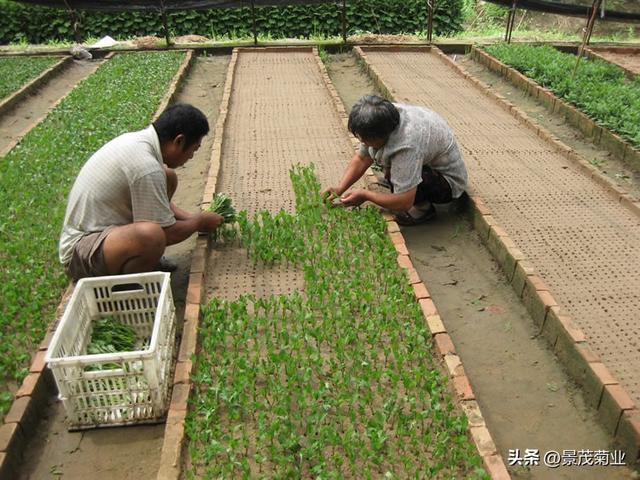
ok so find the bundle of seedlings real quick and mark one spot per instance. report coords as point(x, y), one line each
point(222, 205)
point(110, 336)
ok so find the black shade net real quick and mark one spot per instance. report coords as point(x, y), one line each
point(613, 11)
point(124, 5)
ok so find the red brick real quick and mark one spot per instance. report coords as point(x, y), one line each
point(483, 441)
point(19, 410)
point(434, 322)
point(420, 291)
point(180, 397)
point(404, 261)
point(413, 276)
point(521, 273)
point(392, 227)
point(192, 313)
point(198, 259)
point(44, 344)
point(10, 436)
point(396, 237)
point(194, 291)
point(183, 372)
point(495, 467)
point(189, 341)
point(454, 365)
point(483, 224)
point(444, 344)
point(389, 217)
point(38, 364)
point(401, 248)
point(463, 388)
point(615, 400)
point(472, 411)
point(575, 333)
point(28, 386)
point(428, 307)
point(481, 206)
point(171, 456)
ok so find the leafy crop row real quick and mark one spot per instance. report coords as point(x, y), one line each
point(35, 178)
point(38, 24)
point(336, 381)
point(599, 89)
point(17, 71)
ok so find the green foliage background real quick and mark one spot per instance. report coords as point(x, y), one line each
point(19, 22)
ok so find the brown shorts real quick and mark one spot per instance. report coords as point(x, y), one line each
point(88, 257)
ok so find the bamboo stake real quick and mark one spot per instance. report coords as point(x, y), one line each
point(591, 20)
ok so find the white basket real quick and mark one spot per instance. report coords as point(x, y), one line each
point(138, 390)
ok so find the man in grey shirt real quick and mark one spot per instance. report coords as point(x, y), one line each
point(418, 152)
point(119, 216)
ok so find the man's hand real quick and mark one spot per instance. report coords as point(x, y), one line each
point(355, 197)
point(209, 221)
point(331, 192)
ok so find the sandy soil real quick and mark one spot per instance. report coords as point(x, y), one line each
point(132, 452)
point(526, 398)
point(17, 122)
point(630, 61)
point(624, 175)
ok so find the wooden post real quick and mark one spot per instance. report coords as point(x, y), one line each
point(344, 21)
point(431, 8)
point(165, 23)
point(75, 21)
point(253, 18)
point(511, 20)
point(591, 21)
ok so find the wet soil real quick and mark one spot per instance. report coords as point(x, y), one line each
point(625, 176)
point(19, 120)
point(525, 396)
point(133, 452)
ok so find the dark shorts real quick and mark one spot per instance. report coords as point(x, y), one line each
point(434, 188)
point(88, 257)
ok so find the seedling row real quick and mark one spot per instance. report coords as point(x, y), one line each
point(337, 381)
point(600, 89)
point(15, 72)
point(122, 95)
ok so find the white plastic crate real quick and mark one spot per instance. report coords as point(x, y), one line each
point(133, 387)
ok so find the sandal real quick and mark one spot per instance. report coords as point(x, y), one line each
point(406, 220)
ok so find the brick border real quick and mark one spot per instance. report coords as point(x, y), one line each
point(9, 102)
point(601, 136)
point(174, 435)
point(592, 52)
point(459, 382)
point(616, 410)
point(22, 419)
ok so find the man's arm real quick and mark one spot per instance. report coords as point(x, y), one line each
point(399, 202)
point(354, 171)
point(199, 222)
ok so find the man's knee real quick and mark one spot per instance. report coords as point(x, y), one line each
point(150, 237)
point(172, 180)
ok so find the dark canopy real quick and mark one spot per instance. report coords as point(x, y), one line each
point(613, 11)
point(122, 5)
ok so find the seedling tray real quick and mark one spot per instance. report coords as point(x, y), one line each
point(124, 388)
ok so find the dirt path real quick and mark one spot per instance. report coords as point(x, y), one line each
point(15, 123)
point(493, 334)
point(628, 178)
point(582, 242)
point(280, 114)
point(132, 452)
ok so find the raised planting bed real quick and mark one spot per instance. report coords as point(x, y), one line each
point(338, 380)
point(601, 90)
point(17, 71)
point(35, 178)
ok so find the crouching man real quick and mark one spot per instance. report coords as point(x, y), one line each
point(119, 216)
point(418, 153)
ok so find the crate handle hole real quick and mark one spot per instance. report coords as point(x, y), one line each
point(127, 288)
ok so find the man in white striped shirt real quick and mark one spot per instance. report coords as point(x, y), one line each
point(119, 216)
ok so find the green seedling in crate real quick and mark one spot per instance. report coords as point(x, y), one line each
point(110, 336)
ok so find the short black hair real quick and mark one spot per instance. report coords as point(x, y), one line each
point(373, 118)
point(181, 119)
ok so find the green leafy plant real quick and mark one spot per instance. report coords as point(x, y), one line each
point(222, 205)
point(334, 381)
point(17, 71)
point(46, 161)
point(599, 89)
point(111, 336)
